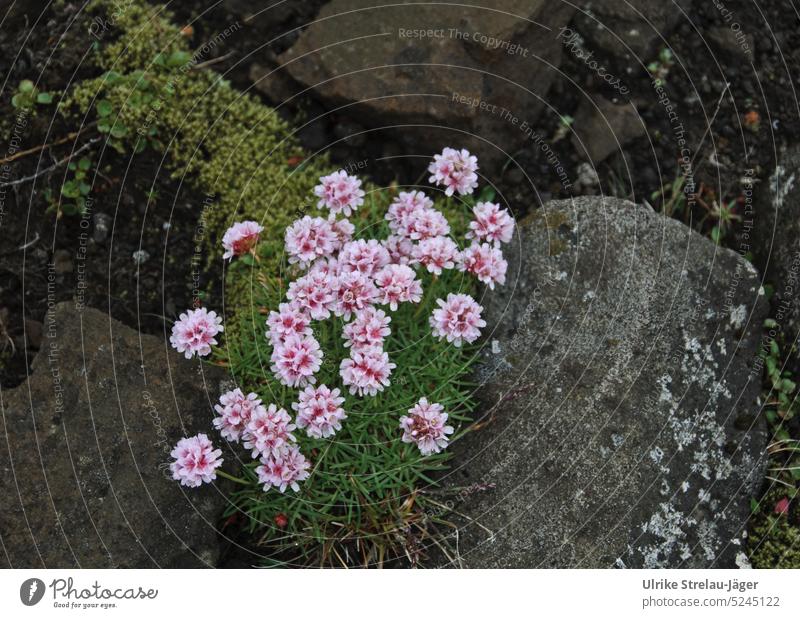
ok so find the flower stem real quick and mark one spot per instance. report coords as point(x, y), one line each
point(235, 479)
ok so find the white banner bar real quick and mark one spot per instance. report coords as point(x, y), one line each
point(350, 594)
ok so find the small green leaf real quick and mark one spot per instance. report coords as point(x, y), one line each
point(84, 163)
point(104, 108)
point(44, 98)
point(119, 131)
point(26, 86)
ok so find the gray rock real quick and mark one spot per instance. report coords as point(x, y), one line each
point(86, 448)
point(620, 423)
point(452, 67)
point(602, 128)
point(628, 30)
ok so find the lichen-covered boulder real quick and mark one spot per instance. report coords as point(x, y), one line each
point(84, 462)
point(619, 423)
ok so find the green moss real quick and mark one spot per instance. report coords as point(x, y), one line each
point(774, 541)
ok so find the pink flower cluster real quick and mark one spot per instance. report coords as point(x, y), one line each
point(455, 170)
point(348, 278)
point(319, 411)
point(339, 193)
point(425, 427)
point(196, 461)
point(195, 332)
point(240, 238)
point(458, 319)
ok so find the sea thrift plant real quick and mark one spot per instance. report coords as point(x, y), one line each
point(346, 297)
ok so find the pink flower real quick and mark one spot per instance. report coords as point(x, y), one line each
point(436, 254)
point(458, 319)
point(425, 427)
point(485, 262)
point(196, 461)
point(363, 256)
point(366, 372)
point(240, 238)
point(268, 430)
point(426, 223)
point(492, 224)
point(339, 192)
point(283, 469)
point(397, 283)
point(782, 506)
point(313, 294)
point(320, 411)
point(402, 206)
point(368, 330)
point(400, 249)
point(286, 321)
point(194, 332)
point(354, 292)
point(328, 266)
point(343, 229)
point(454, 170)
point(235, 411)
point(296, 360)
point(308, 239)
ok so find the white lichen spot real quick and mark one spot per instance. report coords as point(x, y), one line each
point(742, 561)
point(664, 382)
point(738, 317)
point(656, 454)
point(617, 440)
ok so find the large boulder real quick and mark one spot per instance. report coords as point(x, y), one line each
point(620, 425)
point(86, 449)
point(485, 69)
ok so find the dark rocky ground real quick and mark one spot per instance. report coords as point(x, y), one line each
point(733, 89)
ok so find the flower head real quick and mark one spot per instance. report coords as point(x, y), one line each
point(364, 256)
point(368, 330)
point(339, 192)
point(268, 430)
point(313, 294)
point(492, 224)
point(310, 238)
point(426, 223)
point(400, 249)
point(398, 283)
point(486, 262)
point(425, 427)
point(196, 461)
point(457, 319)
point(194, 332)
point(283, 469)
point(235, 410)
point(403, 206)
point(319, 411)
point(240, 238)
point(366, 372)
point(343, 229)
point(296, 360)
point(436, 254)
point(288, 320)
point(354, 291)
point(455, 170)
